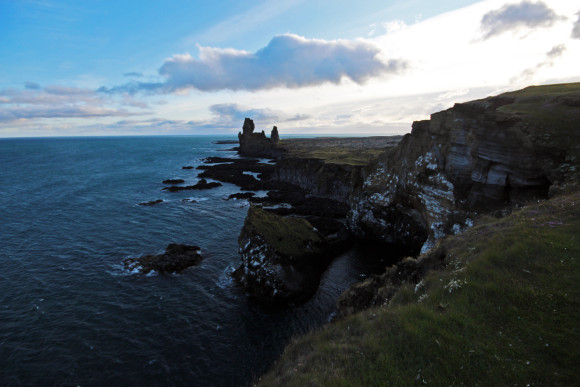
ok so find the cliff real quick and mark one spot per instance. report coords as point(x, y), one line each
point(327, 167)
point(486, 156)
point(480, 156)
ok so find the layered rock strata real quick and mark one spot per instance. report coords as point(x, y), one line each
point(476, 157)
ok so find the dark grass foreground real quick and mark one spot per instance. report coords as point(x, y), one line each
point(504, 311)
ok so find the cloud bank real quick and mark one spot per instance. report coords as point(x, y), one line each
point(287, 61)
point(516, 16)
point(56, 101)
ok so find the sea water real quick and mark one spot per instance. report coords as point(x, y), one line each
point(69, 312)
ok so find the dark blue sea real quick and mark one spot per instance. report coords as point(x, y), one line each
point(71, 315)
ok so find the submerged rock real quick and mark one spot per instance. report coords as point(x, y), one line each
point(175, 259)
point(151, 203)
point(173, 181)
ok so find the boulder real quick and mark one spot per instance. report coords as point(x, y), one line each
point(175, 259)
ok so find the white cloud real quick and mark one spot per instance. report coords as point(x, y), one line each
point(551, 57)
point(516, 16)
point(287, 61)
point(576, 29)
point(234, 114)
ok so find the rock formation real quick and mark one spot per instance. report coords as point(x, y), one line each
point(478, 156)
point(201, 184)
point(488, 155)
point(175, 259)
point(257, 144)
point(282, 257)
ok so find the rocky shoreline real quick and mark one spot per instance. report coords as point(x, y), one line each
point(404, 193)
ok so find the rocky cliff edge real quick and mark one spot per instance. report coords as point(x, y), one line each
point(480, 156)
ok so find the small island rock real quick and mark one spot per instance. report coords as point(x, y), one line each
point(175, 259)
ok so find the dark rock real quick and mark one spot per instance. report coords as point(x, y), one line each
point(257, 144)
point(232, 171)
point(151, 203)
point(217, 160)
point(201, 184)
point(379, 289)
point(225, 142)
point(175, 259)
point(274, 136)
point(187, 167)
point(241, 195)
point(282, 258)
point(173, 181)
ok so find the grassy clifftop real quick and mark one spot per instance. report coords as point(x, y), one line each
point(503, 311)
point(339, 150)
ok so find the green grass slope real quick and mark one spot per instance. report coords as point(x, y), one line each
point(504, 311)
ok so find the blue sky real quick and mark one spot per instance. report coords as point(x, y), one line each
point(192, 67)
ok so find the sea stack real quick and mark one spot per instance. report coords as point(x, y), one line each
point(257, 144)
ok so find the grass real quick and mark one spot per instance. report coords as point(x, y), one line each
point(356, 151)
point(347, 156)
point(551, 113)
point(504, 311)
point(554, 89)
point(289, 236)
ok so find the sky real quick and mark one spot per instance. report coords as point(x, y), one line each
point(86, 68)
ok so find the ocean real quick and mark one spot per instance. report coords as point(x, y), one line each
point(70, 314)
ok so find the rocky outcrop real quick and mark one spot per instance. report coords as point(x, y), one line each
point(476, 157)
point(175, 259)
point(257, 144)
point(201, 184)
point(282, 257)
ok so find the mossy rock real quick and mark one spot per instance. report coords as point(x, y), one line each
point(288, 236)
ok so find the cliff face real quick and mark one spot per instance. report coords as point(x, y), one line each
point(257, 144)
point(477, 156)
point(316, 178)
